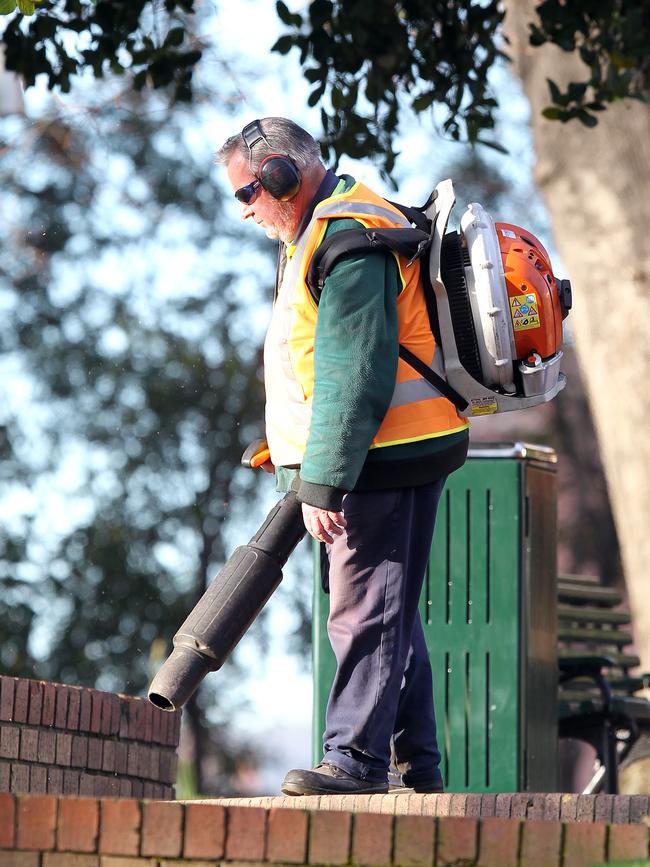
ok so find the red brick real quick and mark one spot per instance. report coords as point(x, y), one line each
point(36, 822)
point(87, 784)
point(7, 820)
point(414, 839)
point(9, 742)
point(473, 805)
point(458, 804)
point(287, 835)
point(503, 806)
point(96, 702)
point(29, 745)
point(552, 805)
point(70, 782)
point(132, 710)
point(46, 749)
point(120, 758)
point(7, 692)
point(119, 828)
point(77, 826)
point(61, 707)
point(20, 859)
point(59, 859)
point(63, 748)
point(536, 807)
point(603, 806)
point(499, 842)
point(74, 708)
point(584, 844)
point(168, 761)
point(103, 786)
point(55, 781)
point(38, 780)
point(569, 808)
point(456, 840)
point(156, 725)
point(585, 808)
point(108, 757)
point(148, 720)
point(638, 808)
point(372, 839)
point(94, 754)
point(116, 706)
point(621, 809)
point(132, 760)
point(19, 778)
point(85, 710)
point(162, 829)
point(329, 837)
point(246, 834)
point(21, 701)
point(541, 841)
point(35, 703)
point(627, 842)
point(5, 776)
point(106, 713)
point(520, 804)
point(442, 803)
point(124, 717)
point(205, 831)
point(125, 788)
point(145, 762)
point(79, 751)
point(488, 805)
point(137, 789)
point(49, 699)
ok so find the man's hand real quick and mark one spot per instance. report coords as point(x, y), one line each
point(321, 524)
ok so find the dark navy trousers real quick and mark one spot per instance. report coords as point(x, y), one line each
point(382, 695)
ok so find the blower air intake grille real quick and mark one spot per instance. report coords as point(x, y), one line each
point(453, 260)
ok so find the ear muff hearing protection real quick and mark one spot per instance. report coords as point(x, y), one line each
point(277, 173)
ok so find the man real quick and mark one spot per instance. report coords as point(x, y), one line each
point(364, 440)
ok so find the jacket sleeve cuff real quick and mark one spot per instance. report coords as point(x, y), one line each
point(321, 496)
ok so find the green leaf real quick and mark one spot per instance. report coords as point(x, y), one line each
point(587, 119)
point(554, 113)
point(283, 12)
point(7, 6)
point(26, 7)
point(420, 103)
point(175, 37)
point(283, 45)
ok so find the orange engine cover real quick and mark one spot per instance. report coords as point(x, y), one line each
point(532, 292)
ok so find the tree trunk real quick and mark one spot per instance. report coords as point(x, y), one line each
point(595, 183)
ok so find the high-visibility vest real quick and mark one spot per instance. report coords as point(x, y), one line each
point(417, 410)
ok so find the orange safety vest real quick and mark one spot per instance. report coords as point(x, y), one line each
point(417, 410)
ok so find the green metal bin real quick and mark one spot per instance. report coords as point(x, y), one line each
point(488, 608)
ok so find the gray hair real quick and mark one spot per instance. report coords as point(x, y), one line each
point(283, 136)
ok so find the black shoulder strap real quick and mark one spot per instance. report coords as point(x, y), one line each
point(411, 243)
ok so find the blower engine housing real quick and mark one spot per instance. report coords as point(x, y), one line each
point(500, 309)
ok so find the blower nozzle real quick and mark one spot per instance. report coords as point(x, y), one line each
point(229, 606)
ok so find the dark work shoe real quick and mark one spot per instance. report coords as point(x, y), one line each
point(422, 787)
point(327, 779)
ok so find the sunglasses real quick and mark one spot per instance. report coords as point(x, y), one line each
point(246, 194)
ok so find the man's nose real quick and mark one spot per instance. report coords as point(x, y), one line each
point(247, 211)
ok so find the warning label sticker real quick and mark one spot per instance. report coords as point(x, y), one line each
point(483, 405)
point(524, 310)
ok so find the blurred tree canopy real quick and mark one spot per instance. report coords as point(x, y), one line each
point(131, 386)
point(366, 61)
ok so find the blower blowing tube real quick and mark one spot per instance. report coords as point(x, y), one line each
point(229, 605)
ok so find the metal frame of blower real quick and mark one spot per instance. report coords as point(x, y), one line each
point(491, 313)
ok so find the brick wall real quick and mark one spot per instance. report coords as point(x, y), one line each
point(71, 740)
point(46, 831)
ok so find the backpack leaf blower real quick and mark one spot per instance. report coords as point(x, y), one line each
point(494, 305)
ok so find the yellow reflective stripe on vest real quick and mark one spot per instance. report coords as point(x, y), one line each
point(335, 209)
